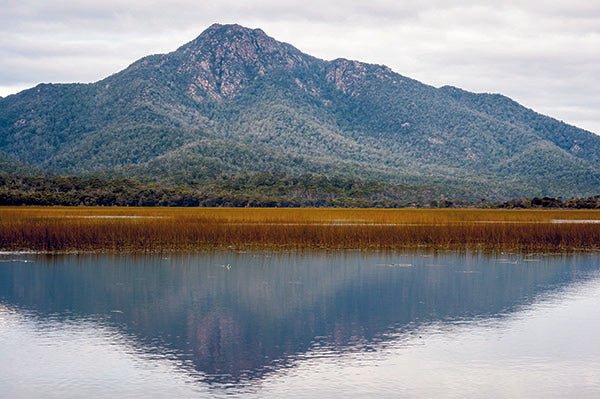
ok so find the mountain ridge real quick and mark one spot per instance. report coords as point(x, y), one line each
point(235, 100)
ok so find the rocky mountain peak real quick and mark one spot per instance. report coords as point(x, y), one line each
point(219, 35)
point(226, 58)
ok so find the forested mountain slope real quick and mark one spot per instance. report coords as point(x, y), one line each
point(236, 101)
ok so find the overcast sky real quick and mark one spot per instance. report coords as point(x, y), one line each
point(543, 53)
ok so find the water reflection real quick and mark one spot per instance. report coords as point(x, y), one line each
point(231, 318)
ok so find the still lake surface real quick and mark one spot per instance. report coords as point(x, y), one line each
point(300, 325)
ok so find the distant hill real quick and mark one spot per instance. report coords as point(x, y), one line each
point(235, 101)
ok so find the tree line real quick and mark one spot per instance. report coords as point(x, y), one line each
point(253, 190)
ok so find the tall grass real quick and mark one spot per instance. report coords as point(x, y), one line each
point(176, 229)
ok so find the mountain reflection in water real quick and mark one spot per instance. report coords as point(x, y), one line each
point(232, 318)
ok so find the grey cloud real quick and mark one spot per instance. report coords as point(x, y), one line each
point(542, 53)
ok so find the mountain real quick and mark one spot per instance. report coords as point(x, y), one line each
point(235, 101)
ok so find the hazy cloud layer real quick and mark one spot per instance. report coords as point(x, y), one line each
point(544, 54)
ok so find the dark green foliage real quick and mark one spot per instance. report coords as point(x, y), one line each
point(550, 202)
point(262, 190)
point(257, 190)
point(236, 102)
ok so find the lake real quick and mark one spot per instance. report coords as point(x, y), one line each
point(300, 324)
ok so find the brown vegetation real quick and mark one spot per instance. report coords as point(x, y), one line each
point(175, 229)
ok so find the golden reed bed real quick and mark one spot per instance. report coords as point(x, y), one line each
point(56, 229)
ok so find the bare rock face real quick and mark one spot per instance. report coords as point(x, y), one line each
point(226, 58)
point(347, 76)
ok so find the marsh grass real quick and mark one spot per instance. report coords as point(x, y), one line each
point(180, 229)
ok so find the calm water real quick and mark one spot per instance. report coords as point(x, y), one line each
point(303, 325)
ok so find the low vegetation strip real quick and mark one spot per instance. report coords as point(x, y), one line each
point(56, 229)
point(257, 190)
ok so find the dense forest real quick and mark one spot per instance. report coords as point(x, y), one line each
point(258, 190)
